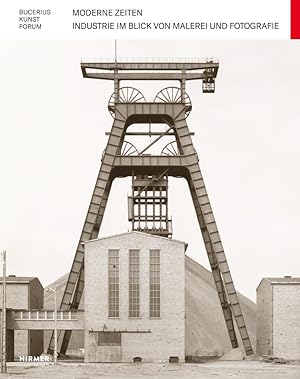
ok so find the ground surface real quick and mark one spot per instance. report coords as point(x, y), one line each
point(215, 369)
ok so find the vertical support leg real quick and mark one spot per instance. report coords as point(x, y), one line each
point(210, 230)
point(74, 287)
point(216, 273)
point(66, 334)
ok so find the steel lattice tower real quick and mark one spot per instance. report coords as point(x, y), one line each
point(171, 106)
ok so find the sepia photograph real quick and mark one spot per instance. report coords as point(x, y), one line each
point(150, 208)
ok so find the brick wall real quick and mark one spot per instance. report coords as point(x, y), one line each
point(167, 333)
point(25, 296)
point(36, 295)
point(17, 295)
point(286, 321)
point(264, 318)
point(278, 318)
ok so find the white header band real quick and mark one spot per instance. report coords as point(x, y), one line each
point(132, 19)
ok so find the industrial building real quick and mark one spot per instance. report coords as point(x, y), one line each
point(170, 154)
point(278, 317)
point(204, 327)
point(134, 299)
point(23, 293)
point(134, 303)
point(134, 283)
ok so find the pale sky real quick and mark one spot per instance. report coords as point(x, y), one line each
point(247, 137)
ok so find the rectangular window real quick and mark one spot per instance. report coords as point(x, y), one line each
point(154, 283)
point(113, 284)
point(134, 283)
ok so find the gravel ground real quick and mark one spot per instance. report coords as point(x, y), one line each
point(215, 369)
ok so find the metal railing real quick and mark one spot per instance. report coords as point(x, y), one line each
point(150, 60)
point(44, 315)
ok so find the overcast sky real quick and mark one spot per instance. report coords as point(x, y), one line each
point(247, 137)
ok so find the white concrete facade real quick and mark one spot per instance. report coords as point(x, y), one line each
point(278, 317)
point(167, 333)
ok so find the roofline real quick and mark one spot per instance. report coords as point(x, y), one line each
point(293, 282)
point(9, 279)
point(273, 281)
point(134, 232)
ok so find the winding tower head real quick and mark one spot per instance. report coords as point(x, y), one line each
point(148, 203)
